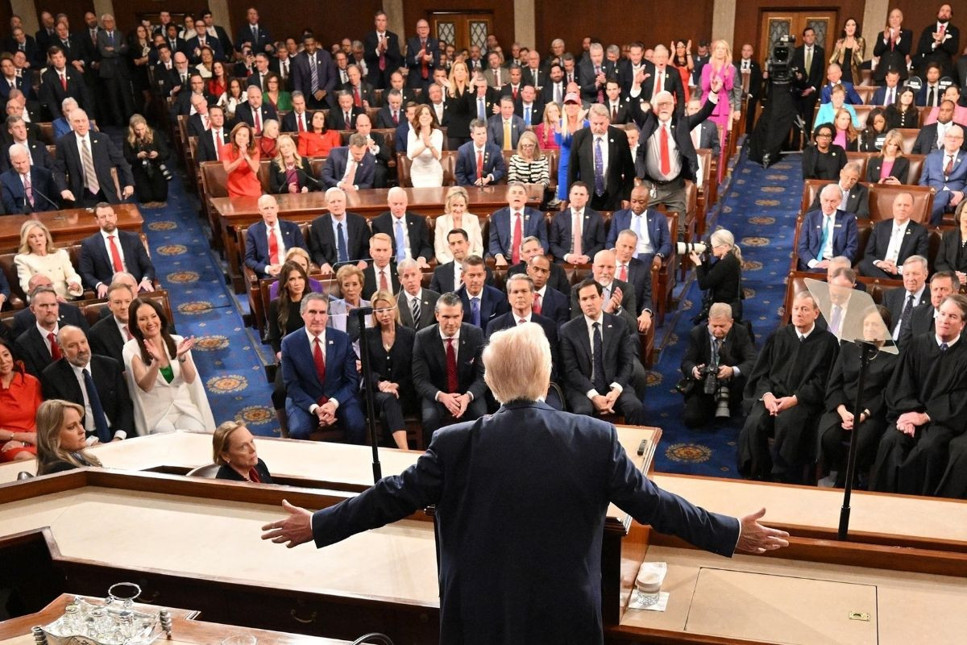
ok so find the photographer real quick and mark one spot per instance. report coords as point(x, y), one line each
point(718, 270)
point(147, 153)
point(716, 362)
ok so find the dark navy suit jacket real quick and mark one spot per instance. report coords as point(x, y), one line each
point(845, 237)
point(416, 229)
point(335, 168)
point(15, 199)
point(257, 244)
point(322, 242)
point(96, 267)
point(556, 306)
point(656, 223)
point(466, 168)
point(299, 370)
point(521, 497)
point(501, 236)
point(493, 303)
point(244, 113)
point(592, 233)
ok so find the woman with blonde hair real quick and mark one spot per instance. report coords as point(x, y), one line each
point(146, 152)
point(289, 172)
point(460, 105)
point(350, 279)
point(720, 66)
point(572, 121)
point(719, 273)
point(61, 439)
point(456, 216)
point(891, 166)
point(233, 448)
point(549, 124)
point(301, 257)
point(240, 158)
point(529, 165)
point(37, 254)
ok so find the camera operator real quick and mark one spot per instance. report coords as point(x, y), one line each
point(146, 151)
point(718, 270)
point(715, 365)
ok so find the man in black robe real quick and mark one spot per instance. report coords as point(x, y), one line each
point(927, 400)
point(785, 395)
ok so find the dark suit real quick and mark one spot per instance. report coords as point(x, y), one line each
point(620, 175)
point(921, 321)
point(416, 228)
point(365, 94)
point(845, 238)
point(430, 374)
point(29, 49)
point(493, 303)
point(337, 120)
point(113, 72)
point(618, 359)
point(586, 78)
point(415, 77)
point(322, 242)
point(371, 284)
point(852, 98)
point(629, 306)
point(279, 178)
point(755, 90)
point(52, 93)
point(32, 350)
point(656, 225)
point(736, 351)
point(304, 390)
point(895, 301)
point(14, 195)
point(60, 382)
point(951, 255)
point(672, 83)
point(24, 319)
point(495, 131)
point(194, 43)
point(943, 54)
point(97, 268)
point(928, 141)
point(466, 167)
point(106, 340)
point(915, 242)
point(206, 150)
point(428, 299)
point(257, 244)
point(393, 59)
point(497, 491)
point(592, 233)
point(900, 170)
point(857, 200)
point(879, 97)
point(639, 277)
point(892, 55)
point(69, 170)
point(244, 112)
point(620, 112)
point(501, 235)
point(555, 305)
point(325, 76)
point(536, 112)
point(335, 169)
point(38, 154)
point(813, 79)
point(258, 38)
point(558, 279)
point(681, 131)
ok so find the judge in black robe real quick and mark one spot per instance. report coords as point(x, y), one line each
point(927, 408)
point(791, 373)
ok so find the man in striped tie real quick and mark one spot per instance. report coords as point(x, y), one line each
point(83, 163)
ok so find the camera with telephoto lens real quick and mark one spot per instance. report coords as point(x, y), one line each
point(165, 172)
point(685, 248)
point(710, 379)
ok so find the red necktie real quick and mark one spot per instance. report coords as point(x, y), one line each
point(253, 476)
point(452, 381)
point(319, 360)
point(357, 101)
point(302, 122)
point(127, 333)
point(396, 117)
point(54, 347)
point(614, 113)
point(383, 286)
point(258, 121)
point(518, 233)
point(537, 303)
point(424, 67)
point(514, 92)
point(63, 81)
point(666, 164)
point(273, 247)
point(115, 255)
point(480, 164)
point(623, 274)
point(950, 166)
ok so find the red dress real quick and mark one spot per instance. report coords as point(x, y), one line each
point(242, 182)
point(318, 145)
point(18, 408)
point(267, 147)
point(216, 89)
point(545, 137)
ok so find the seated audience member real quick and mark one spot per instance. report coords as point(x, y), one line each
point(232, 99)
point(283, 318)
point(297, 120)
point(932, 137)
point(320, 139)
point(276, 94)
point(411, 237)
point(945, 171)
point(903, 113)
point(952, 94)
point(37, 254)
point(548, 301)
point(854, 196)
point(62, 124)
point(529, 165)
point(343, 114)
point(167, 392)
point(826, 233)
point(618, 296)
point(424, 148)
point(719, 357)
point(557, 278)
point(289, 172)
point(952, 254)
point(212, 141)
point(146, 152)
point(838, 422)
point(827, 112)
point(338, 237)
point(834, 75)
point(455, 216)
point(69, 176)
point(241, 161)
point(923, 319)
point(267, 242)
point(233, 449)
point(481, 302)
point(301, 257)
point(871, 137)
point(381, 272)
point(926, 406)
point(577, 232)
point(26, 188)
point(61, 440)
point(598, 359)
point(268, 142)
point(350, 167)
point(846, 135)
point(20, 133)
point(390, 350)
point(19, 399)
point(520, 296)
point(479, 162)
point(66, 314)
point(649, 225)
point(637, 274)
point(319, 370)
point(718, 272)
point(510, 225)
point(96, 383)
point(415, 303)
point(891, 166)
point(893, 241)
point(448, 276)
point(903, 302)
point(112, 250)
point(376, 145)
point(823, 159)
point(109, 334)
point(887, 92)
point(350, 280)
point(254, 112)
point(447, 370)
point(785, 396)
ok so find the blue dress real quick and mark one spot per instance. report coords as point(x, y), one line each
point(564, 139)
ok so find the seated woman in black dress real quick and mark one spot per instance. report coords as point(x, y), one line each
point(233, 448)
point(872, 136)
point(903, 113)
point(719, 274)
point(823, 159)
point(838, 421)
point(390, 350)
point(61, 439)
point(952, 254)
point(285, 318)
point(890, 166)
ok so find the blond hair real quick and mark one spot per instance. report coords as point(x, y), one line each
point(517, 363)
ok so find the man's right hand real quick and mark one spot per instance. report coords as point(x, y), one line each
point(756, 538)
point(602, 404)
point(101, 290)
point(68, 195)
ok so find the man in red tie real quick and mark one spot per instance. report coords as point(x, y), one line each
point(111, 251)
point(267, 241)
point(361, 92)
point(509, 226)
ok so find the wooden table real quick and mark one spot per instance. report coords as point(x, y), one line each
point(186, 629)
point(66, 226)
point(238, 213)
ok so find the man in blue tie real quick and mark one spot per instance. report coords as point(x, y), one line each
point(529, 106)
point(826, 233)
point(483, 302)
point(409, 231)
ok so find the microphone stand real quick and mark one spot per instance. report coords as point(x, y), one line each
point(361, 313)
point(867, 351)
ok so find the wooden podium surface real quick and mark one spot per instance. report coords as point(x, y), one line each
point(66, 226)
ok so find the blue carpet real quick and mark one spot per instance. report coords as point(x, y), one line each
point(759, 207)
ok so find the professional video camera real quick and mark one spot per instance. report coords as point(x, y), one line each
point(780, 60)
point(780, 113)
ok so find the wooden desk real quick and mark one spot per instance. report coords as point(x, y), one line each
point(242, 212)
point(66, 226)
point(186, 629)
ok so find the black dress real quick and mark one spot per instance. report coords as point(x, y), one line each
point(897, 119)
point(461, 112)
point(229, 473)
point(722, 282)
point(394, 365)
point(150, 184)
point(139, 73)
point(279, 184)
point(823, 165)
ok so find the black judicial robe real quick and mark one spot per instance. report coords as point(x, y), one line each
point(786, 367)
point(931, 381)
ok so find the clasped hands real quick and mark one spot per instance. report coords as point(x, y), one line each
point(456, 404)
point(774, 405)
point(604, 403)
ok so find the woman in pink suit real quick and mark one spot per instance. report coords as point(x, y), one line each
point(720, 66)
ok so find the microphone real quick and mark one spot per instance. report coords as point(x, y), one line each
point(37, 192)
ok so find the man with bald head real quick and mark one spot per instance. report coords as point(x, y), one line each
point(945, 171)
point(25, 188)
point(84, 148)
point(826, 233)
point(267, 241)
point(422, 56)
point(893, 241)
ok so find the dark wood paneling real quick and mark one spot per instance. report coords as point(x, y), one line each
point(5, 13)
point(330, 20)
point(622, 21)
point(502, 12)
point(74, 9)
point(748, 18)
point(128, 13)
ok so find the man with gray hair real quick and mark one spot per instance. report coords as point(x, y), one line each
point(416, 304)
point(826, 232)
point(24, 188)
point(593, 73)
point(351, 167)
point(855, 197)
point(903, 302)
point(601, 158)
point(338, 237)
point(893, 241)
point(112, 53)
point(83, 150)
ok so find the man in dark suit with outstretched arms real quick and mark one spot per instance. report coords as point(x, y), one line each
point(521, 498)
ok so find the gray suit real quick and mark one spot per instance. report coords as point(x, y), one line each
point(428, 300)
